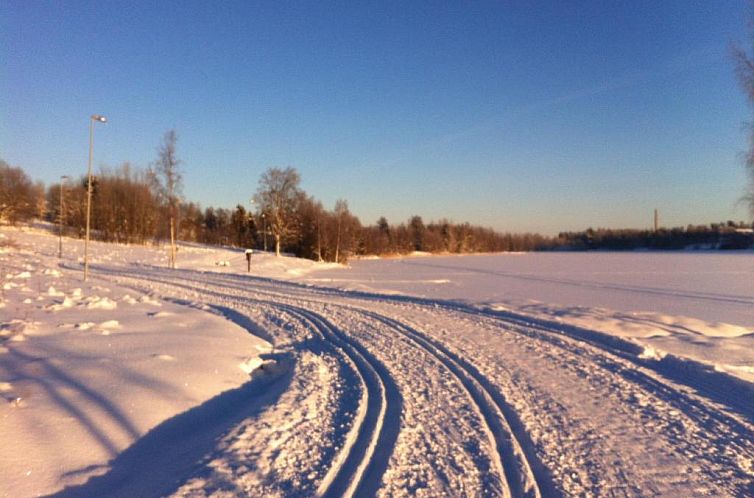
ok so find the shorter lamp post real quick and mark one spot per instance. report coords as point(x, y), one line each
point(60, 218)
point(264, 231)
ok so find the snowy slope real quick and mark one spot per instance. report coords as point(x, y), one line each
point(86, 369)
point(392, 387)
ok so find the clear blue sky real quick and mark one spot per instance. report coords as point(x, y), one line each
point(541, 116)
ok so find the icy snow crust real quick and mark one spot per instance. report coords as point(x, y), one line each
point(391, 378)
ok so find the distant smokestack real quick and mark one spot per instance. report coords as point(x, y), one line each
point(657, 220)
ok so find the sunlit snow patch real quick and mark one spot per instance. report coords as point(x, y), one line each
point(51, 291)
point(101, 303)
point(651, 353)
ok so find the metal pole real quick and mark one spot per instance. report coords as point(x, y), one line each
point(60, 219)
point(88, 199)
point(264, 229)
point(92, 119)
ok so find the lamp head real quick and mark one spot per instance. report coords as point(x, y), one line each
point(97, 117)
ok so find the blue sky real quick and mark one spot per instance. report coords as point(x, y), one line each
point(523, 116)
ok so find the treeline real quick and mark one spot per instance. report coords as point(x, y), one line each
point(445, 236)
point(129, 205)
point(133, 206)
point(727, 235)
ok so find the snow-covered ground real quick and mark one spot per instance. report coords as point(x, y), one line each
point(501, 375)
point(697, 305)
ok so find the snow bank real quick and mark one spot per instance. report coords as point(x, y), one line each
point(85, 371)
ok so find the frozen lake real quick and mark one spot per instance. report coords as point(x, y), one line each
point(714, 287)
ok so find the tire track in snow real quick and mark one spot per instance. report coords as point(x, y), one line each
point(513, 462)
point(620, 356)
point(358, 470)
point(586, 350)
point(715, 386)
point(710, 426)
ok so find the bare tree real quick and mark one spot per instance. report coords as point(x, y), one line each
point(277, 196)
point(745, 71)
point(169, 183)
point(341, 211)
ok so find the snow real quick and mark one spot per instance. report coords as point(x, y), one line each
point(693, 305)
point(495, 375)
point(83, 378)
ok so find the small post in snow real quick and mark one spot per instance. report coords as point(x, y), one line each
point(248, 260)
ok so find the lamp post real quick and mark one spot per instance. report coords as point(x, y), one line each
point(264, 231)
point(252, 203)
point(92, 120)
point(60, 218)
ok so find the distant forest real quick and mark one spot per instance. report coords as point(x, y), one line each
point(728, 235)
point(129, 205)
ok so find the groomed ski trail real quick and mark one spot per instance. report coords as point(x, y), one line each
point(534, 433)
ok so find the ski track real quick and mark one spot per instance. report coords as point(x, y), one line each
point(510, 460)
point(538, 442)
point(357, 473)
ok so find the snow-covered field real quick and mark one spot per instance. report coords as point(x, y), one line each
point(698, 305)
point(500, 375)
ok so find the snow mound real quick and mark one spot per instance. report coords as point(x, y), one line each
point(101, 303)
point(259, 366)
point(145, 299)
point(51, 291)
point(128, 299)
point(14, 330)
point(65, 304)
point(651, 353)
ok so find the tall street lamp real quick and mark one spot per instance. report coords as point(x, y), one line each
point(60, 218)
point(102, 119)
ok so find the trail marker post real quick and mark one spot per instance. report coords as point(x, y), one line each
point(248, 259)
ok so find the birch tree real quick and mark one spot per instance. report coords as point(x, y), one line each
point(169, 183)
point(277, 197)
